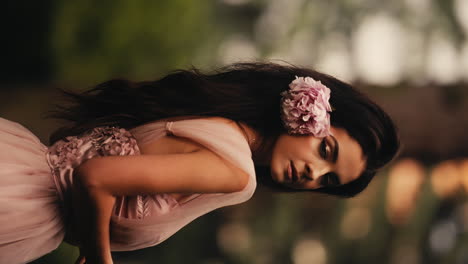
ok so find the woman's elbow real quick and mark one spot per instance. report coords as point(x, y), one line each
point(85, 175)
point(243, 181)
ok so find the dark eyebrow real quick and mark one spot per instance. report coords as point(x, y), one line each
point(335, 149)
point(333, 176)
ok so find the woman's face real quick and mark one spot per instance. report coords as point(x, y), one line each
point(308, 162)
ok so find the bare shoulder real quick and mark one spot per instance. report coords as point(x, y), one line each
point(219, 119)
point(239, 126)
point(222, 120)
point(171, 144)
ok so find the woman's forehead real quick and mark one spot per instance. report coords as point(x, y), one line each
point(351, 162)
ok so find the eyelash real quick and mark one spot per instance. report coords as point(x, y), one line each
point(323, 149)
point(326, 180)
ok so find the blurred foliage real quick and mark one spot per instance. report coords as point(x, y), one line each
point(98, 40)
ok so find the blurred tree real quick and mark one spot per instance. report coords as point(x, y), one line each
point(93, 40)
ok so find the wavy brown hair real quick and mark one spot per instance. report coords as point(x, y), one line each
point(243, 92)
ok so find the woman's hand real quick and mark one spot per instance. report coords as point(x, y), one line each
point(92, 209)
point(94, 260)
point(81, 260)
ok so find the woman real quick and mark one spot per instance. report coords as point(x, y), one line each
point(141, 160)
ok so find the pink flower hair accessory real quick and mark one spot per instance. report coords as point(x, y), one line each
point(305, 107)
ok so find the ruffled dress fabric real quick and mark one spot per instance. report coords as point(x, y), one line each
point(36, 182)
point(30, 222)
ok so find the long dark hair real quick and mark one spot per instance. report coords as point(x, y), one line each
point(243, 92)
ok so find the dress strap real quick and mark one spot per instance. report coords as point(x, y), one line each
point(169, 128)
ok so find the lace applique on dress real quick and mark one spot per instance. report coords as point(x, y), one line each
point(66, 154)
point(100, 141)
point(112, 141)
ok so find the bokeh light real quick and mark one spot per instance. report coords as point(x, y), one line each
point(379, 49)
point(445, 179)
point(237, 48)
point(460, 7)
point(442, 59)
point(442, 237)
point(309, 250)
point(335, 57)
point(463, 170)
point(404, 184)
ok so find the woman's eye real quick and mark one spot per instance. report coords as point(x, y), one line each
point(323, 149)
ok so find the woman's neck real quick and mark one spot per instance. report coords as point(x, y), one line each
point(261, 153)
point(260, 146)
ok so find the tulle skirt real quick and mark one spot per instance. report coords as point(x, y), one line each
point(31, 224)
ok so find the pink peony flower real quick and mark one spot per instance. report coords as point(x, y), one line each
point(305, 107)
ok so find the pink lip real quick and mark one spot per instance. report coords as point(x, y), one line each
point(289, 173)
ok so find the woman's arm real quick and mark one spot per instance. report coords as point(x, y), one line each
point(100, 180)
point(201, 171)
point(92, 212)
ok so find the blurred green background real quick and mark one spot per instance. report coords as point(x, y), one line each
point(410, 55)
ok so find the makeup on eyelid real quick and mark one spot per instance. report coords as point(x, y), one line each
point(336, 159)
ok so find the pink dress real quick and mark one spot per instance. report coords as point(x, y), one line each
point(35, 184)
